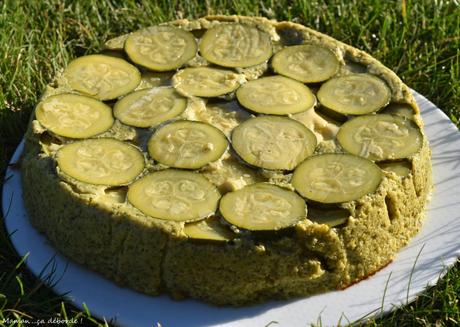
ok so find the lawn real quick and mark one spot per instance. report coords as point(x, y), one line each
point(419, 40)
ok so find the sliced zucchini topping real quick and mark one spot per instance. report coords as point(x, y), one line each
point(101, 161)
point(149, 107)
point(206, 82)
point(356, 94)
point(330, 217)
point(380, 137)
point(174, 195)
point(273, 142)
point(399, 109)
point(74, 116)
point(102, 77)
point(400, 168)
point(116, 43)
point(275, 95)
point(235, 45)
point(152, 79)
point(161, 48)
point(336, 178)
point(307, 63)
point(262, 206)
point(187, 144)
point(208, 229)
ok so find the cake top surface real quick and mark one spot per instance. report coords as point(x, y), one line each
point(239, 101)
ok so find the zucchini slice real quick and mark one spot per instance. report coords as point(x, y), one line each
point(275, 95)
point(307, 63)
point(161, 48)
point(380, 137)
point(149, 107)
point(209, 229)
point(101, 161)
point(151, 79)
point(330, 217)
point(187, 144)
point(336, 178)
point(356, 94)
point(102, 77)
point(273, 142)
point(262, 207)
point(74, 116)
point(400, 168)
point(116, 43)
point(175, 195)
point(206, 82)
point(399, 109)
point(235, 45)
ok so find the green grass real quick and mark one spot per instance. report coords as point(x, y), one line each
point(418, 39)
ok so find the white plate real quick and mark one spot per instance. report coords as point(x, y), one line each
point(418, 265)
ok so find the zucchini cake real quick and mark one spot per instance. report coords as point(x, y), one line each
point(230, 159)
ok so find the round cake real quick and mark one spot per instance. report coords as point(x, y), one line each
point(230, 159)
